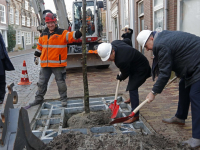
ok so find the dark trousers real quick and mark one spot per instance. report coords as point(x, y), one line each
point(2, 86)
point(187, 95)
point(134, 97)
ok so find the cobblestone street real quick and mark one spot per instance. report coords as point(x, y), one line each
point(25, 92)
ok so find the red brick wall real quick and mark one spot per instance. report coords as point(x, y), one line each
point(172, 15)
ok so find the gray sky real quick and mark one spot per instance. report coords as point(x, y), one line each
point(49, 4)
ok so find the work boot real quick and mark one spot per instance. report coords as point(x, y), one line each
point(64, 103)
point(174, 120)
point(36, 102)
point(131, 120)
point(194, 143)
point(128, 101)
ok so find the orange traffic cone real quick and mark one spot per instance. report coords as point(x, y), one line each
point(24, 78)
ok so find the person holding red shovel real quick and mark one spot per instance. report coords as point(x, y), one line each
point(131, 63)
point(179, 52)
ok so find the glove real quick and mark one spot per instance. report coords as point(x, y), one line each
point(36, 60)
point(118, 78)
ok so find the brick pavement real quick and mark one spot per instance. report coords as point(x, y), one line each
point(103, 82)
point(20, 52)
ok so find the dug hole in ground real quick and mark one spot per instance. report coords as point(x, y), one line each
point(117, 141)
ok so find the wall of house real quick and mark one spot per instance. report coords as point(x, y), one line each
point(4, 23)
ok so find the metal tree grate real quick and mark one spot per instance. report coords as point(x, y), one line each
point(51, 116)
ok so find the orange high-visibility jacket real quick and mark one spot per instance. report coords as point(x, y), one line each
point(52, 47)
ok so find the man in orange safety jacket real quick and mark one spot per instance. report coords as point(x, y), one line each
point(52, 50)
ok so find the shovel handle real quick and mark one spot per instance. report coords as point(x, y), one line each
point(144, 102)
point(117, 89)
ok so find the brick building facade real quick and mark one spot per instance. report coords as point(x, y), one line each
point(156, 15)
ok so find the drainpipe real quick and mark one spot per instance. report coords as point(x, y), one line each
point(133, 22)
point(165, 14)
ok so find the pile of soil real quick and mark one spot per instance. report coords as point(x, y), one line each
point(79, 141)
point(115, 141)
point(82, 120)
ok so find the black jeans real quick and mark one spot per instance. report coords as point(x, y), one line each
point(2, 86)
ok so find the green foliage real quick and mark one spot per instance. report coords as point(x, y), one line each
point(34, 47)
point(20, 48)
point(11, 38)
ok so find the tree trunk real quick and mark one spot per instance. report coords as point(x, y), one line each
point(84, 61)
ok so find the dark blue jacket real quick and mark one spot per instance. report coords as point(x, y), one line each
point(5, 64)
point(179, 52)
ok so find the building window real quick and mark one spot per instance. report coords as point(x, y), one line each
point(18, 37)
point(23, 20)
point(126, 12)
point(141, 9)
point(141, 21)
point(28, 22)
point(158, 15)
point(28, 38)
point(11, 16)
point(2, 14)
point(189, 16)
point(17, 17)
point(26, 5)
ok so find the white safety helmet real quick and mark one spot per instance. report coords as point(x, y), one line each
point(104, 50)
point(143, 37)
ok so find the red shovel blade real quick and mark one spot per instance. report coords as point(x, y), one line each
point(113, 105)
point(120, 120)
point(115, 111)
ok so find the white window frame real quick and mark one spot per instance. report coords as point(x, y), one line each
point(4, 12)
point(28, 38)
point(18, 35)
point(17, 17)
point(157, 8)
point(11, 16)
point(23, 20)
point(28, 22)
point(26, 5)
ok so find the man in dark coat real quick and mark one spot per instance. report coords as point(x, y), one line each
point(5, 64)
point(179, 52)
point(131, 63)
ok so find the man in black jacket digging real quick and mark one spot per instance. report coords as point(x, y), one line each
point(179, 52)
point(131, 63)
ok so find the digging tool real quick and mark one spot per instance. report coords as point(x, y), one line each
point(120, 120)
point(114, 106)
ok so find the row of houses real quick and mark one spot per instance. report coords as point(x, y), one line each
point(20, 15)
point(156, 15)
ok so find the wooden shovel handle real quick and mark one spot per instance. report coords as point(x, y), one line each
point(144, 102)
point(117, 89)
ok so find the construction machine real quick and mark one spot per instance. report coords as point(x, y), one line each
point(94, 29)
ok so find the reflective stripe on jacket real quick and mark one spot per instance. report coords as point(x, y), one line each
point(53, 47)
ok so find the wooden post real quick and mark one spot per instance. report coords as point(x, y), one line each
point(84, 61)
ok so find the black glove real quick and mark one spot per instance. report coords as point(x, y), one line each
point(118, 78)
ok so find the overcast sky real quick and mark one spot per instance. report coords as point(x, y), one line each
point(49, 4)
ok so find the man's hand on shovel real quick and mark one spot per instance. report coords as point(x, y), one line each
point(150, 97)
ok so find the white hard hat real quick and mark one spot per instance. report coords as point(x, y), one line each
point(143, 37)
point(104, 50)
